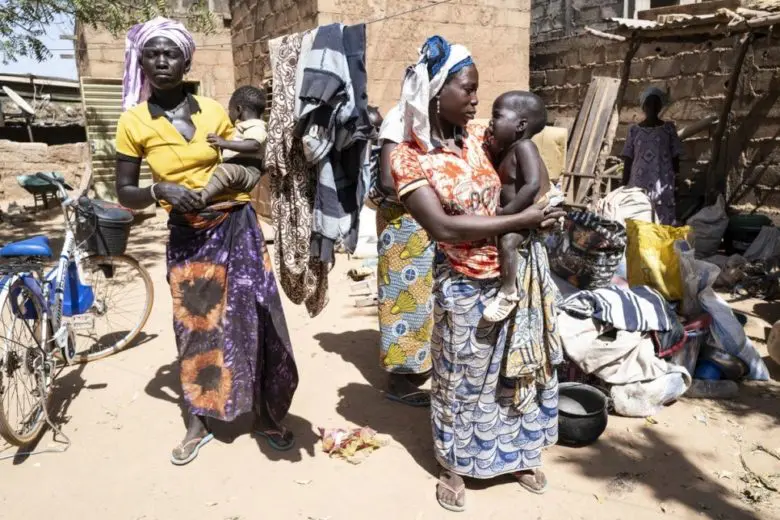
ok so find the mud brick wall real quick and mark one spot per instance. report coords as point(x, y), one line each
point(254, 22)
point(548, 18)
point(496, 31)
point(26, 158)
point(695, 76)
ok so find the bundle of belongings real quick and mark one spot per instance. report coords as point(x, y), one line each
point(317, 154)
point(756, 272)
point(650, 322)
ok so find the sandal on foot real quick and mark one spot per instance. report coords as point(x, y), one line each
point(535, 481)
point(278, 440)
point(416, 399)
point(459, 492)
point(186, 452)
point(501, 307)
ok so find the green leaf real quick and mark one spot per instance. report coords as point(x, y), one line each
point(24, 22)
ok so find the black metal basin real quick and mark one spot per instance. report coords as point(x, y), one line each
point(582, 414)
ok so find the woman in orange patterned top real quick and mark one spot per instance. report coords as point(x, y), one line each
point(485, 424)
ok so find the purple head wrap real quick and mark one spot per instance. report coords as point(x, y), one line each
point(135, 86)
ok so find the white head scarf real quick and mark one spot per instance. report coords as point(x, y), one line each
point(135, 85)
point(409, 119)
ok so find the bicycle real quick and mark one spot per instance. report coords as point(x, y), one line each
point(49, 321)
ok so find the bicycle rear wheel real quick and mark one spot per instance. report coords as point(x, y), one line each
point(123, 301)
point(25, 373)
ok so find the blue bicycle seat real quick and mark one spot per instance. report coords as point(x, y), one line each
point(35, 246)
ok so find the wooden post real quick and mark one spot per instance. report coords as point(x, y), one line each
point(711, 186)
point(625, 73)
point(28, 121)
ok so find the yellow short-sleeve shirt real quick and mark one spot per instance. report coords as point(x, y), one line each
point(143, 132)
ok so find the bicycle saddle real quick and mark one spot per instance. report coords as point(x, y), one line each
point(35, 246)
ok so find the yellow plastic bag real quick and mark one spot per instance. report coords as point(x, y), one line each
point(651, 258)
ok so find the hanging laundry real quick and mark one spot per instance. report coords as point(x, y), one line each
point(293, 184)
point(332, 122)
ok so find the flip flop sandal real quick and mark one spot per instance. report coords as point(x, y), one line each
point(457, 492)
point(271, 437)
point(408, 399)
point(523, 480)
point(199, 443)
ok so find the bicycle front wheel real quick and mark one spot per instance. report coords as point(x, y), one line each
point(25, 367)
point(123, 301)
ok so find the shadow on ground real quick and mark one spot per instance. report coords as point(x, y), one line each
point(66, 389)
point(166, 386)
point(650, 461)
point(366, 405)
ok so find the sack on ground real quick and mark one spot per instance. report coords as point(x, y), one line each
point(652, 259)
point(726, 330)
point(709, 225)
point(696, 275)
point(765, 246)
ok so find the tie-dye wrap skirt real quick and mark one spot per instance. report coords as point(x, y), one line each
point(234, 347)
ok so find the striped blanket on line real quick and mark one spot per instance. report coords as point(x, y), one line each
point(639, 309)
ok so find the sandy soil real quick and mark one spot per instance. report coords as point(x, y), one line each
point(123, 417)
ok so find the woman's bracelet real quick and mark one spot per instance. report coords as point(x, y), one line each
point(151, 192)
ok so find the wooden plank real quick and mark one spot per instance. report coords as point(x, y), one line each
point(715, 182)
point(363, 287)
point(588, 139)
point(575, 140)
point(366, 302)
point(579, 125)
point(702, 8)
point(602, 116)
point(606, 150)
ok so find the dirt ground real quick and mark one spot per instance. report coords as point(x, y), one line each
point(123, 417)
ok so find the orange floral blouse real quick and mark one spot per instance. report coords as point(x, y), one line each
point(465, 185)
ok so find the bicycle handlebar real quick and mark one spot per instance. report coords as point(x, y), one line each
point(61, 186)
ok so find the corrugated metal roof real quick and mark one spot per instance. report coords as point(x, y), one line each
point(39, 80)
point(670, 22)
point(722, 22)
point(56, 101)
point(771, 6)
point(633, 23)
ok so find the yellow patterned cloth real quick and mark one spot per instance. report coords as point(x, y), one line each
point(405, 283)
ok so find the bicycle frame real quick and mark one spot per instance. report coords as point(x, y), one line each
point(51, 288)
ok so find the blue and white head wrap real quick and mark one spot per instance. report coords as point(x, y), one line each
point(438, 60)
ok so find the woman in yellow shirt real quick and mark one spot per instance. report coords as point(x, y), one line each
point(234, 348)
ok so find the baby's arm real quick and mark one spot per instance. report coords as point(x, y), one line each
point(528, 177)
point(245, 146)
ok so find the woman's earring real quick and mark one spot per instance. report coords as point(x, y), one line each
point(438, 106)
